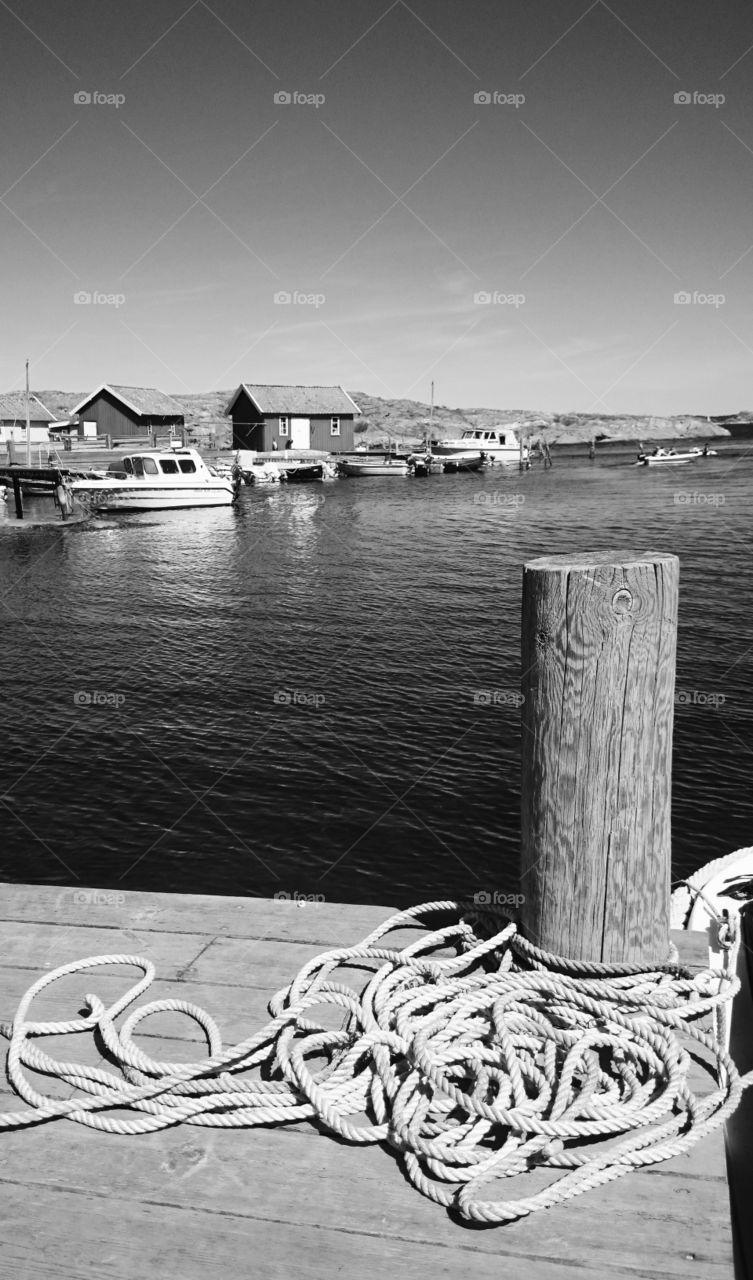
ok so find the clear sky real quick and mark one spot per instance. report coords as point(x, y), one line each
point(384, 200)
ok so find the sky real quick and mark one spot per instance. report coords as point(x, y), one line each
point(534, 204)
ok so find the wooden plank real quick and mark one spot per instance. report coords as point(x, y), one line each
point(326, 924)
point(47, 946)
point(288, 1179)
point(89, 1238)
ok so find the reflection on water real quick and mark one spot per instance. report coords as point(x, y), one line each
point(280, 696)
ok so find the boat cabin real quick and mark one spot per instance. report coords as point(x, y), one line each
point(489, 437)
point(171, 464)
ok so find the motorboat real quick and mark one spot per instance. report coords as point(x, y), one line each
point(500, 444)
point(463, 461)
point(261, 473)
point(421, 464)
point(661, 457)
point(300, 472)
point(158, 480)
point(371, 466)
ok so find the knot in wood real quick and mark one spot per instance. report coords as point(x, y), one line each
point(622, 600)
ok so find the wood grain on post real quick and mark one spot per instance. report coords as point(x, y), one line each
point(598, 640)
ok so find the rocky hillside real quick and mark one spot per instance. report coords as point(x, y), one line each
point(408, 420)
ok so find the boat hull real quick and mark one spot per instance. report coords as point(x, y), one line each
point(142, 498)
point(498, 453)
point(673, 459)
point(462, 462)
point(302, 474)
point(383, 467)
point(667, 462)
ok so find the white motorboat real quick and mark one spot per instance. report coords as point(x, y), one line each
point(669, 457)
point(379, 466)
point(500, 444)
point(157, 480)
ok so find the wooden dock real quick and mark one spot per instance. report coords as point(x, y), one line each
point(285, 1203)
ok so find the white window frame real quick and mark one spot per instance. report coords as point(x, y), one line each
point(284, 425)
point(334, 429)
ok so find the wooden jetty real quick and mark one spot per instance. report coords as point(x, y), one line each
point(186, 1203)
point(12, 476)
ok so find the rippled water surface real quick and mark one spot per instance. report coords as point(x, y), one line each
point(295, 679)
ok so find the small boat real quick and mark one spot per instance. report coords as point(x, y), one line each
point(302, 472)
point(499, 445)
point(379, 466)
point(421, 464)
point(669, 457)
point(463, 462)
point(158, 480)
point(261, 473)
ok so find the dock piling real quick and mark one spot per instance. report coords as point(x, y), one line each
point(18, 497)
point(599, 636)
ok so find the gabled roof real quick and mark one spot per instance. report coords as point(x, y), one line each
point(142, 400)
point(13, 408)
point(296, 400)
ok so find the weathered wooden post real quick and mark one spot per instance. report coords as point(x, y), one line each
point(598, 641)
point(18, 497)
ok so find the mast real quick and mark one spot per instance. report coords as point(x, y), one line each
point(28, 425)
point(431, 419)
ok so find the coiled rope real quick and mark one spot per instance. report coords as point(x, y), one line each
point(475, 1066)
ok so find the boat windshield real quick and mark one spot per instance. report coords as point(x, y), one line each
point(144, 467)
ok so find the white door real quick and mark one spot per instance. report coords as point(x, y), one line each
point(300, 433)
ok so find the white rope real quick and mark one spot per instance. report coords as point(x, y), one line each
point(474, 1066)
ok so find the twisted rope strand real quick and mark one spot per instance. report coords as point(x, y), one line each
point(474, 1066)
